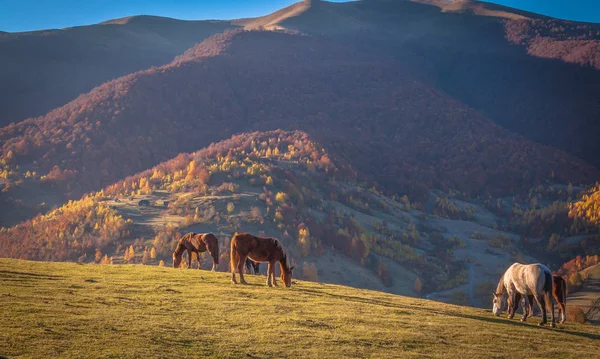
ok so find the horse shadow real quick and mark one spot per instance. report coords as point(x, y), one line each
point(494, 320)
point(8, 273)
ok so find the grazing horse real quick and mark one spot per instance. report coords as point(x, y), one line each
point(259, 249)
point(559, 292)
point(252, 267)
point(533, 280)
point(197, 243)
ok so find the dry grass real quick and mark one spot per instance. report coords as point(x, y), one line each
point(68, 310)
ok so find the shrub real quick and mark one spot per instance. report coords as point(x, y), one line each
point(418, 286)
point(575, 314)
point(478, 235)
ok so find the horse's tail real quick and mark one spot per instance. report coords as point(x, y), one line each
point(233, 256)
point(548, 283)
point(548, 293)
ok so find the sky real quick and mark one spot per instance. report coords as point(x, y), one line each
point(27, 15)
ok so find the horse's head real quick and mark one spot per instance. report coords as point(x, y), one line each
point(286, 275)
point(177, 259)
point(212, 245)
point(499, 303)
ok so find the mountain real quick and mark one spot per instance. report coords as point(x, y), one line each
point(534, 75)
point(399, 132)
point(42, 70)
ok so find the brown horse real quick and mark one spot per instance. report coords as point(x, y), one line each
point(559, 292)
point(259, 249)
point(197, 243)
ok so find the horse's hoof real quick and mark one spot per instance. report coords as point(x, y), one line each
point(542, 323)
point(524, 319)
point(553, 325)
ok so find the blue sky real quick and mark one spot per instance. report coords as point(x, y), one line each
point(25, 15)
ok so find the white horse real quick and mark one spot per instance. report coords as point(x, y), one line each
point(529, 280)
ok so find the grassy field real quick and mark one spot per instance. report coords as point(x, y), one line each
point(50, 310)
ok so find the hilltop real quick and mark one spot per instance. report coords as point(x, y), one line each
point(43, 70)
point(130, 311)
point(534, 75)
point(393, 129)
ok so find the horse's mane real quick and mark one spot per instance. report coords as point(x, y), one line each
point(279, 246)
point(180, 246)
point(500, 288)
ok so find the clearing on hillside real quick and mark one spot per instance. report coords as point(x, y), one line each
point(69, 310)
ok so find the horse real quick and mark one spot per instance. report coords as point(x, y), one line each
point(534, 281)
point(197, 243)
point(252, 267)
point(259, 249)
point(559, 292)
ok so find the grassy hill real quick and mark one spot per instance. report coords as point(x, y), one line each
point(70, 310)
point(337, 227)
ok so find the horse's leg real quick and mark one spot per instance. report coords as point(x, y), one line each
point(552, 318)
point(516, 306)
point(190, 253)
point(511, 303)
point(542, 304)
point(530, 306)
point(233, 275)
point(269, 271)
point(561, 307)
point(274, 264)
point(241, 261)
point(525, 308)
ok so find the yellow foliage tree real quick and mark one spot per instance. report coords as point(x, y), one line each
point(281, 197)
point(230, 207)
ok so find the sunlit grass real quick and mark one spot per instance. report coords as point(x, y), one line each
point(68, 310)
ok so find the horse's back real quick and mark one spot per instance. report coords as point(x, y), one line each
point(259, 249)
point(529, 278)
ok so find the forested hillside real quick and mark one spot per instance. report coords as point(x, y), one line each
point(394, 130)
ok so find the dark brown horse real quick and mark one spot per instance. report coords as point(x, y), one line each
point(559, 292)
point(259, 249)
point(197, 243)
